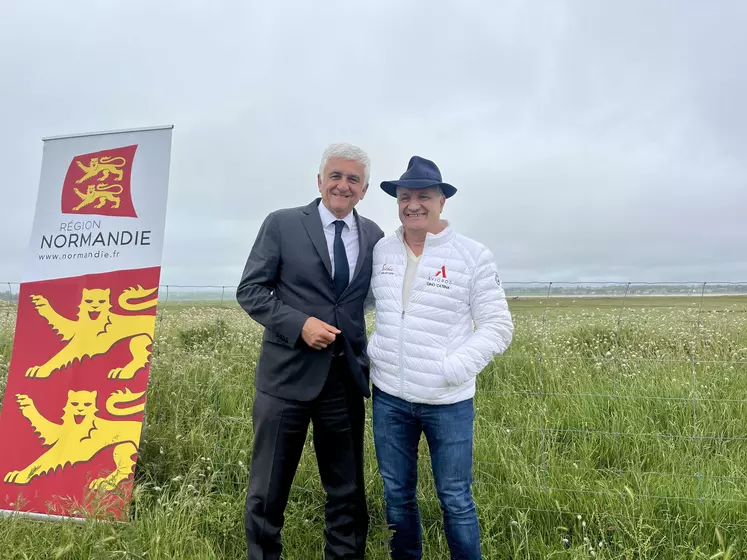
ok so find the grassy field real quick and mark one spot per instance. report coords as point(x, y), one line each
point(611, 429)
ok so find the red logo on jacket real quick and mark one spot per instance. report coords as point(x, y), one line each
point(439, 280)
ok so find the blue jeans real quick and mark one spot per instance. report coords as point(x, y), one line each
point(397, 427)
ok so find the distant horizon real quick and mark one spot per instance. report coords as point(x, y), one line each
point(560, 283)
point(511, 283)
point(588, 290)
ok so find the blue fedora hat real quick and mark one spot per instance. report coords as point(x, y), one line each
point(421, 174)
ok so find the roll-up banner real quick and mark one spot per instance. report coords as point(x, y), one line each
point(73, 406)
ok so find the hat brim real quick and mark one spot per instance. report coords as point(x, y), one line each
point(390, 187)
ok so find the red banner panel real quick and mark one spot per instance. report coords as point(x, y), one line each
point(76, 392)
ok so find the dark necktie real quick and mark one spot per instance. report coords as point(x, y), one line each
point(342, 269)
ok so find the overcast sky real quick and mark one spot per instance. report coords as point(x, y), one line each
point(588, 140)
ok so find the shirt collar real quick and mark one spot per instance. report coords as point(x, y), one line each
point(328, 217)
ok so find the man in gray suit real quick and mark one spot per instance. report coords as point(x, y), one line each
point(306, 280)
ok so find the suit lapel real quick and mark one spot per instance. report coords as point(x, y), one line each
point(313, 224)
point(362, 245)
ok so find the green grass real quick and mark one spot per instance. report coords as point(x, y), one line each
point(608, 422)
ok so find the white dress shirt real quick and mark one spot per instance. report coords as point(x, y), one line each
point(349, 237)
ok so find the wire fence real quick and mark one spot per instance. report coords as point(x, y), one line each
point(612, 393)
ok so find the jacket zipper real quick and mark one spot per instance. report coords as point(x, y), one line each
point(402, 317)
point(401, 343)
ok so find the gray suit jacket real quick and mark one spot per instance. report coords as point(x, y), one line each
point(288, 278)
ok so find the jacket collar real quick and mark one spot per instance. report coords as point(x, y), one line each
point(431, 239)
point(313, 224)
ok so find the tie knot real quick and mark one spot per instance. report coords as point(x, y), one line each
point(338, 226)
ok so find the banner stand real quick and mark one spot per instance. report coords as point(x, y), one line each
point(6, 514)
point(108, 132)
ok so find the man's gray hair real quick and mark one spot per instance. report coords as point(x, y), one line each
point(342, 150)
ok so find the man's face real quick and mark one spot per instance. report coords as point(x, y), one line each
point(342, 185)
point(420, 209)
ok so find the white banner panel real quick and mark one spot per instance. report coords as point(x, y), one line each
point(101, 204)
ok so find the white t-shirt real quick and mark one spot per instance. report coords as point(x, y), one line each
point(412, 264)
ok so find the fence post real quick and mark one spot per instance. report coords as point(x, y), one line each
point(616, 383)
point(541, 394)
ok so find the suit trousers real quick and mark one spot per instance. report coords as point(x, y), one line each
point(280, 429)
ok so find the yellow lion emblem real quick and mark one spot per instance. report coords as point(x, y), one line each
point(98, 329)
point(105, 166)
point(82, 435)
point(100, 192)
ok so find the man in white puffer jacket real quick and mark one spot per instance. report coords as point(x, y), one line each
point(441, 317)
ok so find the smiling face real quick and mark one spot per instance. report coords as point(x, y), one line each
point(342, 185)
point(420, 209)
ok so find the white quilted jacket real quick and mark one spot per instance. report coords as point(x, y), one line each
point(431, 351)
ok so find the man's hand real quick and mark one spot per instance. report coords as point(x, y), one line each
point(318, 334)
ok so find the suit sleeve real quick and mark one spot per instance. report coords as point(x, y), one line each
point(256, 290)
point(370, 302)
point(493, 322)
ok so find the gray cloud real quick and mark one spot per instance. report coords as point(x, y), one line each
point(589, 141)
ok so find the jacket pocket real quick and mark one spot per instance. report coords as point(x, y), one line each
point(450, 372)
point(454, 370)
